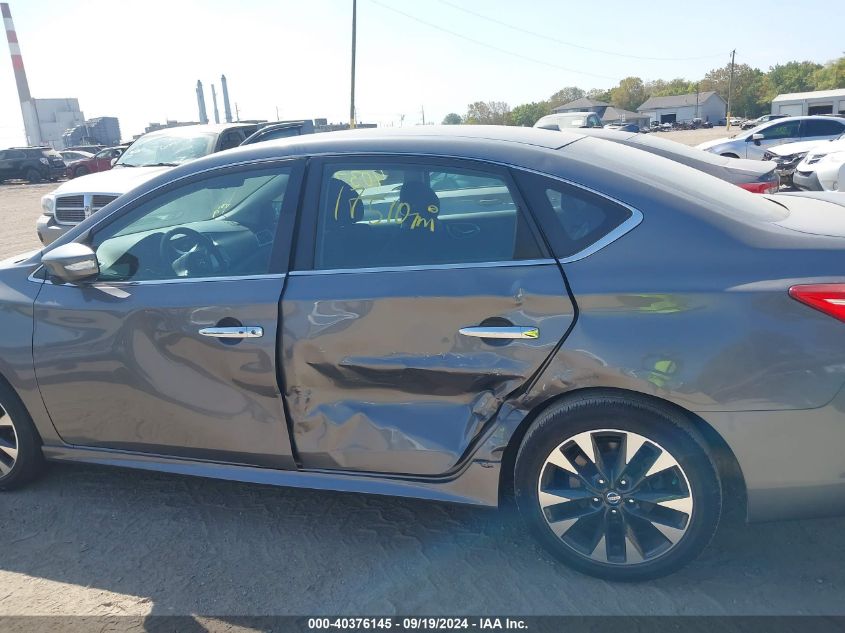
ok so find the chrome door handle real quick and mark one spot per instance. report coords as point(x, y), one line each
point(241, 331)
point(514, 331)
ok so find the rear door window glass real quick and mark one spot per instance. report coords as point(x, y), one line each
point(402, 214)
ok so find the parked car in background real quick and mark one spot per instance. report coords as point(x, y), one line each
point(71, 156)
point(614, 340)
point(569, 120)
point(754, 142)
point(788, 156)
point(101, 161)
point(91, 149)
point(146, 158)
point(752, 175)
point(34, 164)
point(823, 168)
point(735, 120)
point(273, 131)
point(750, 123)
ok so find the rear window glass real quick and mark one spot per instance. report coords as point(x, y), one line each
point(573, 218)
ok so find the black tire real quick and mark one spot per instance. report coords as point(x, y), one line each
point(617, 420)
point(81, 171)
point(33, 176)
point(29, 462)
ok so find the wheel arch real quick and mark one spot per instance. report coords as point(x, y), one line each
point(7, 385)
point(733, 481)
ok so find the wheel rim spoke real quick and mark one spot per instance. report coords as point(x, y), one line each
point(615, 497)
point(8, 444)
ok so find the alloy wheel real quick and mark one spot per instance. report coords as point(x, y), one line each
point(8, 443)
point(615, 497)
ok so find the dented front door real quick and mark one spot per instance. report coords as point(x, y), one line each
point(379, 377)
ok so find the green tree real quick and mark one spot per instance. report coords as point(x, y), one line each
point(487, 113)
point(831, 76)
point(629, 94)
point(453, 118)
point(565, 95)
point(791, 77)
point(598, 94)
point(748, 94)
point(527, 114)
point(661, 88)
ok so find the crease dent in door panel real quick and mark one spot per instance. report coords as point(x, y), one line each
point(379, 378)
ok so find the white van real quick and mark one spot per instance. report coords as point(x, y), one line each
point(569, 120)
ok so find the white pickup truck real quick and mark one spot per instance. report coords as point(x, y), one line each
point(153, 153)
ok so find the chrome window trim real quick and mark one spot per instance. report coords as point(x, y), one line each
point(628, 225)
point(158, 282)
point(391, 269)
point(182, 280)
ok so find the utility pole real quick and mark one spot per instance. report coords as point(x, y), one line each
point(422, 111)
point(352, 83)
point(277, 113)
point(730, 89)
point(237, 113)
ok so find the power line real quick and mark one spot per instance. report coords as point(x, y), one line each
point(491, 46)
point(572, 44)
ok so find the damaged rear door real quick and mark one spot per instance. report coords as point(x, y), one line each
point(422, 298)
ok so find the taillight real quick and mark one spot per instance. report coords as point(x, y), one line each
point(827, 298)
point(770, 186)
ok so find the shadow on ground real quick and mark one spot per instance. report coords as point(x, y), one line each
point(177, 545)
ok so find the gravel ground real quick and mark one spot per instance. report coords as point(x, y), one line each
point(94, 541)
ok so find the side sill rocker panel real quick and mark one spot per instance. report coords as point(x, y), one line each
point(476, 485)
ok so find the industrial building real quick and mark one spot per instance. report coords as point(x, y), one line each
point(707, 106)
point(45, 120)
point(104, 130)
point(818, 102)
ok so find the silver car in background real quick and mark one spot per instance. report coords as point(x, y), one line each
point(754, 142)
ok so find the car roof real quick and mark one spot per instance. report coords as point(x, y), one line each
point(407, 139)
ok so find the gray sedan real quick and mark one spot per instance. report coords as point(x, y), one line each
point(623, 345)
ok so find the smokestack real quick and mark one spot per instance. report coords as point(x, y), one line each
point(226, 107)
point(201, 103)
point(30, 116)
point(214, 99)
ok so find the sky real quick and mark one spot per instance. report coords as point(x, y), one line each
point(140, 60)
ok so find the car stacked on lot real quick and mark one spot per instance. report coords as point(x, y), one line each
point(468, 314)
point(33, 164)
point(789, 155)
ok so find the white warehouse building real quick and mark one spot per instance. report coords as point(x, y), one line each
point(707, 106)
point(818, 102)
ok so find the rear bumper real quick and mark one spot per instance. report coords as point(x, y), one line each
point(793, 462)
point(807, 180)
point(49, 230)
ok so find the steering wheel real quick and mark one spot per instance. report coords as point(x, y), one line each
point(201, 257)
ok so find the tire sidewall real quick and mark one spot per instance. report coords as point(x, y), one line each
point(566, 420)
point(30, 460)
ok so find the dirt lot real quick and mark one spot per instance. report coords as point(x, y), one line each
point(92, 541)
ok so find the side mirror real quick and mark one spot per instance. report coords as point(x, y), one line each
point(757, 138)
point(114, 160)
point(72, 262)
